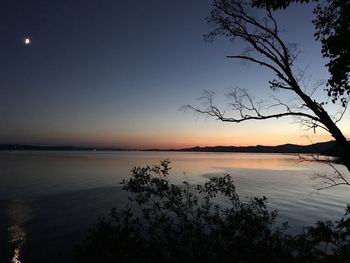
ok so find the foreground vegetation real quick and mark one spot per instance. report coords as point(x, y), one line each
point(208, 223)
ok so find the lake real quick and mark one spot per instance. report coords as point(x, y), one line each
point(49, 200)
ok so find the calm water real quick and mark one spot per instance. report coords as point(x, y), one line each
point(48, 200)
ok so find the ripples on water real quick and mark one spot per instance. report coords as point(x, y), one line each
point(47, 198)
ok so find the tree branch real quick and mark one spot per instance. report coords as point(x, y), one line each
point(245, 109)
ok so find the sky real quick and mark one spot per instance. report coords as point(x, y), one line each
point(116, 73)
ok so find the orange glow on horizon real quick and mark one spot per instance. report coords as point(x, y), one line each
point(184, 135)
point(140, 142)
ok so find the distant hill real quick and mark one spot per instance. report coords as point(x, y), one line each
point(20, 147)
point(327, 148)
point(322, 147)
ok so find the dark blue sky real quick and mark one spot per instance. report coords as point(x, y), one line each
point(102, 72)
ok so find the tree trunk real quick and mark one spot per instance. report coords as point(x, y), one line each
point(341, 141)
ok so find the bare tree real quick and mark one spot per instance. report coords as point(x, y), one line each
point(328, 179)
point(266, 48)
point(332, 30)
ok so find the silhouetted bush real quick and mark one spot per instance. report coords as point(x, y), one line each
point(208, 223)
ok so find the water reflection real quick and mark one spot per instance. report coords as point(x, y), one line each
point(18, 213)
point(86, 184)
point(17, 239)
point(28, 174)
point(33, 174)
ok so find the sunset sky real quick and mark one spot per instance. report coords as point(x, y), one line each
point(116, 73)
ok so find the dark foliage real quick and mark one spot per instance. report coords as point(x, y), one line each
point(332, 24)
point(277, 4)
point(333, 30)
point(209, 223)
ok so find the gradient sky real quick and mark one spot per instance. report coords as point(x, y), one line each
point(115, 73)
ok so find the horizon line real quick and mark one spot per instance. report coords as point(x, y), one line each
point(142, 148)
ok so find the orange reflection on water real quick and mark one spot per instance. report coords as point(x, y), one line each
point(237, 160)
